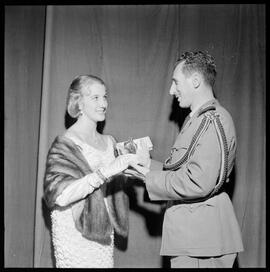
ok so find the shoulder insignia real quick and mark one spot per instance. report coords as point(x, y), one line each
point(204, 110)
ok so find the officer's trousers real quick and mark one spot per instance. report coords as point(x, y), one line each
point(224, 261)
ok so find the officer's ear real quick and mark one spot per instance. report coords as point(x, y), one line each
point(196, 80)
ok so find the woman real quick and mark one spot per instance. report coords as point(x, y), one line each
point(87, 200)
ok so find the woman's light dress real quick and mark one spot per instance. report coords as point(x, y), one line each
point(71, 249)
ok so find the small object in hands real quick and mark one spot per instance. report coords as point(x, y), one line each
point(130, 146)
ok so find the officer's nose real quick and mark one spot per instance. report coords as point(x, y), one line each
point(103, 103)
point(172, 89)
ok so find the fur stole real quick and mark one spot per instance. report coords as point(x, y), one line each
point(65, 164)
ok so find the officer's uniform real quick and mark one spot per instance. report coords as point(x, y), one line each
point(199, 220)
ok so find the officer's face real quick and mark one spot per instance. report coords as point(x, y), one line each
point(181, 87)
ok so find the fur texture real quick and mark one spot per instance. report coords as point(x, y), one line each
point(65, 164)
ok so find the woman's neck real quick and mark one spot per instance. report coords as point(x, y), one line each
point(87, 129)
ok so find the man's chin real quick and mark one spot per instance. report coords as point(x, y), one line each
point(101, 118)
point(184, 104)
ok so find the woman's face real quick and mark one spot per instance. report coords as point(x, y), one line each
point(94, 102)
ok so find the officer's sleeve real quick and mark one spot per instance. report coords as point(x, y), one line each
point(196, 178)
point(156, 165)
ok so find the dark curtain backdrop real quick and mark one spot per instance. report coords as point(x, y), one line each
point(133, 48)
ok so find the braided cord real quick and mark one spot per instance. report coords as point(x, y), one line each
point(209, 117)
point(224, 154)
point(203, 126)
point(231, 158)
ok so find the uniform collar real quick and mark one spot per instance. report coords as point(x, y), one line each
point(206, 104)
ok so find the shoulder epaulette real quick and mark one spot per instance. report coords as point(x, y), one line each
point(204, 110)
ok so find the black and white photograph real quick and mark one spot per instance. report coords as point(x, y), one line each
point(134, 135)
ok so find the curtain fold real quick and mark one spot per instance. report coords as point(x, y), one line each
point(43, 254)
point(24, 30)
point(133, 48)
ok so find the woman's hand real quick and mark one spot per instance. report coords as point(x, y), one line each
point(121, 163)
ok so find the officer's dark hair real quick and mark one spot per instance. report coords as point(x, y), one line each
point(198, 61)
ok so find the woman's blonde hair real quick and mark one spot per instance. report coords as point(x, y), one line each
point(79, 85)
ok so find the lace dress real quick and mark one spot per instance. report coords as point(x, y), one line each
point(71, 249)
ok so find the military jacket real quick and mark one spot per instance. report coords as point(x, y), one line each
point(197, 221)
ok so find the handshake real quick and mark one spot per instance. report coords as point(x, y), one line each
point(141, 148)
point(133, 159)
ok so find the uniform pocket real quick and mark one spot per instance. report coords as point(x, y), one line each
point(198, 224)
point(204, 225)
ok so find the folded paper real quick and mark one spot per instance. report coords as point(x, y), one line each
point(131, 145)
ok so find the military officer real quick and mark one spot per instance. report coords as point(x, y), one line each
point(200, 228)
